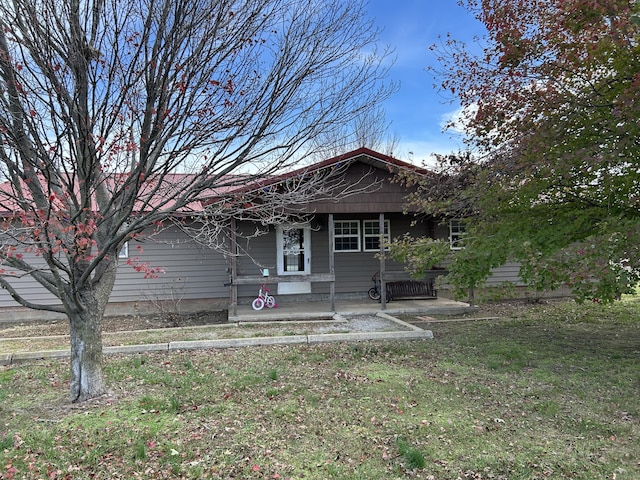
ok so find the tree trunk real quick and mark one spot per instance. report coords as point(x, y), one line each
point(87, 378)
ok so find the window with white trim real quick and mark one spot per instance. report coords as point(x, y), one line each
point(457, 231)
point(124, 251)
point(371, 234)
point(346, 236)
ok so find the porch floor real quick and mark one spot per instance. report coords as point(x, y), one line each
point(322, 309)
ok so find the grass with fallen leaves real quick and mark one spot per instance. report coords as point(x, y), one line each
point(545, 391)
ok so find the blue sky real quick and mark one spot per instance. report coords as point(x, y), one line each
point(417, 110)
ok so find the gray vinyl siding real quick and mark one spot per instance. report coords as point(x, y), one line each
point(27, 287)
point(509, 272)
point(255, 254)
point(353, 270)
point(190, 272)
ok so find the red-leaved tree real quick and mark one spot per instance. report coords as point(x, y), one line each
point(550, 99)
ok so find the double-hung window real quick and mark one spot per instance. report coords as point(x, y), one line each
point(457, 231)
point(346, 236)
point(371, 234)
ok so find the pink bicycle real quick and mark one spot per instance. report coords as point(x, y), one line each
point(264, 298)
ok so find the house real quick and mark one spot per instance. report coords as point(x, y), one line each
point(330, 248)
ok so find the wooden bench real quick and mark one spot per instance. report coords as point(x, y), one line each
point(399, 286)
point(411, 289)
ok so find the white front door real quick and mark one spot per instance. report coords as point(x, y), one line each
point(294, 256)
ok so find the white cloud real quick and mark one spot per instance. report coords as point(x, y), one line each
point(456, 119)
point(421, 152)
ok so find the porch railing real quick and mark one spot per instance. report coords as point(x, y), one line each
point(259, 279)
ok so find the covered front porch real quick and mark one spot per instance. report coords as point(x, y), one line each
point(305, 310)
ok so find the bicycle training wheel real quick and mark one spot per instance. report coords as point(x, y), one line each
point(374, 294)
point(257, 304)
point(271, 302)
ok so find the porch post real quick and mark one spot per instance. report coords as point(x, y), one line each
point(383, 282)
point(332, 284)
point(233, 306)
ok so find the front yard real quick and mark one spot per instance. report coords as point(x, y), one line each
point(545, 391)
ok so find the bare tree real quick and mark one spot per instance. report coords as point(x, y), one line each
point(370, 129)
point(117, 114)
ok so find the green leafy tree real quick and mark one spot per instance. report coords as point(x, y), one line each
point(550, 104)
point(102, 102)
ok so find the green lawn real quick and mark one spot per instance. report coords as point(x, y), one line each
point(545, 392)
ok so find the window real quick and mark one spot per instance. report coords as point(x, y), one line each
point(346, 236)
point(457, 231)
point(372, 234)
point(293, 250)
point(124, 251)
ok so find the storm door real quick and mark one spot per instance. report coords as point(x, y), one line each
point(294, 257)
